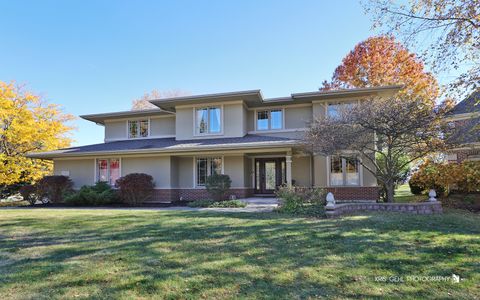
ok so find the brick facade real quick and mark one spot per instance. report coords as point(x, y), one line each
point(171, 195)
point(355, 193)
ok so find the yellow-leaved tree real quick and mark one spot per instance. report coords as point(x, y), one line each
point(27, 124)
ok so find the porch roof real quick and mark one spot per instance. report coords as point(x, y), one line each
point(167, 145)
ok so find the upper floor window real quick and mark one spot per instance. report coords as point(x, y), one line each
point(334, 110)
point(108, 170)
point(207, 166)
point(137, 128)
point(208, 120)
point(271, 119)
point(344, 171)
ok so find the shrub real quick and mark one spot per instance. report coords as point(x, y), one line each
point(99, 194)
point(463, 177)
point(200, 203)
point(10, 189)
point(28, 193)
point(54, 187)
point(218, 185)
point(301, 200)
point(229, 204)
point(135, 188)
point(415, 187)
point(220, 204)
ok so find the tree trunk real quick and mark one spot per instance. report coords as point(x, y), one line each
point(390, 189)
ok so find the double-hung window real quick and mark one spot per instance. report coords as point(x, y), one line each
point(138, 129)
point(108, 170)
point(208, 120)
point(271, 119)
point(207, 166)
point(344, 171)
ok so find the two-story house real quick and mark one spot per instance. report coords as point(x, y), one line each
point(256, 141)
point(465, 118)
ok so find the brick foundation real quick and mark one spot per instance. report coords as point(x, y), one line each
point(354, 193)
point(170, 195)
point(422, 208)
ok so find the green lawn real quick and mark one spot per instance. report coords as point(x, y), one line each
point(403, 194)
point(75, 253)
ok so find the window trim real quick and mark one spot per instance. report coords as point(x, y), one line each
point(138, 120)
point(96, 171)
point(269, 129)
point(197, 132)
point(208, 157)
point(360, 172)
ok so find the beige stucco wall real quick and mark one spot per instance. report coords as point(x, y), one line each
point(233, 167)
point(301, 170)
point(156, 166)
point(368, 178)
point(250, 120)
point(233, 122)
point(164, 126)
point(320, 171)
point(185, 172)
point(174, 172)
point(297, 117)
point(81, 171)
point(115, 130)
point(159, 127)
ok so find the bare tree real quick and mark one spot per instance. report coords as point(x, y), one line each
point(446, 32)
point(388, 133)
point(142, 102)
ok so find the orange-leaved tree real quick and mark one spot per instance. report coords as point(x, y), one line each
point(380, 61)
point(27, 124)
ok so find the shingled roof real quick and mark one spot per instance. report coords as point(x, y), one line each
point(468, 105)
point(169, 145)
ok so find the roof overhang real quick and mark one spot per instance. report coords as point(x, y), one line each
point(173, 151)
point(254, 98)
point(101, 118)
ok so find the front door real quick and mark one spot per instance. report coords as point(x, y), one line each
point(269, 174)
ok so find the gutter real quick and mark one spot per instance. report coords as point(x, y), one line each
point(52, 155)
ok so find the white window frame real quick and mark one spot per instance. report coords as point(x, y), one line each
point(96, 169)
point(196, 131)
point(256, 111)
point(344, 173)
point(138, 128)
point(195, 165)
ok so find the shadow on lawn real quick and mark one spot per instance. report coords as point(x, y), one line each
point(255, 255)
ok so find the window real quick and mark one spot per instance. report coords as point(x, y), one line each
point(137, 128)
point(208, 120)
point(207, 166)
point(344, 171)
point(334, 110)
point(270, 119)
point(108, 170)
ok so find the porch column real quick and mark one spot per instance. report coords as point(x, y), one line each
point(288, 165)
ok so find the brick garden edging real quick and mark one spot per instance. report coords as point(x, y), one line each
point(421, 208)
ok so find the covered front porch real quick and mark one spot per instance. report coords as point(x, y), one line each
point(253, 172)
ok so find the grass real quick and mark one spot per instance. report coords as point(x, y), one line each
point(403, 194)
point(125, 254)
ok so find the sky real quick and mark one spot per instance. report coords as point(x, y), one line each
point(98, 56)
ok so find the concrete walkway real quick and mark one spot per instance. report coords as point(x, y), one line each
point(254, 204)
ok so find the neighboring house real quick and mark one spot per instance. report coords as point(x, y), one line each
point(465, 118)
point(256, 141)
